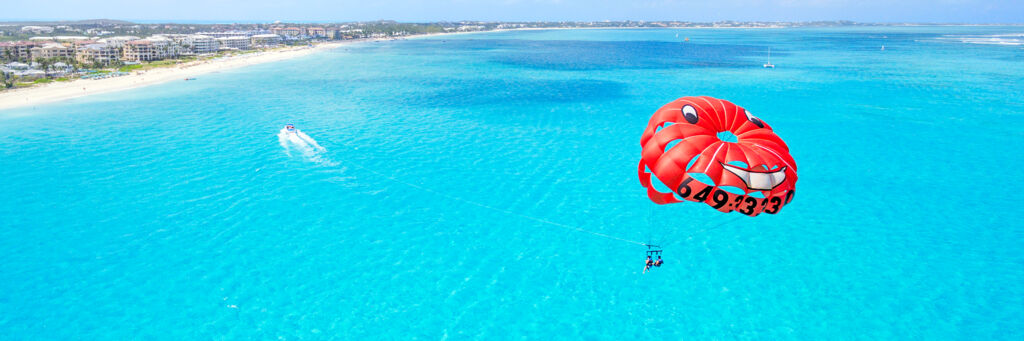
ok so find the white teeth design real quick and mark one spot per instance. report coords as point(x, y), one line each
point(761, 181)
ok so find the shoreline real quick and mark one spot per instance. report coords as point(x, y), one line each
point(62, 91)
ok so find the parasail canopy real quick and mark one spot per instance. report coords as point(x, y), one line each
point(688, 147)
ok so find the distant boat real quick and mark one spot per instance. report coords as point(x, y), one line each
point(883, 47)
point(190, 79)
point(769, 64)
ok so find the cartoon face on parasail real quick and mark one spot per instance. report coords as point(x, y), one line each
point(683, 151)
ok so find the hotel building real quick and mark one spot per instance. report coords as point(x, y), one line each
point(52, 50)
point(202, 44)
point(316, 32)
point(266, 40)
point(287, 31)
point(97, 53)
point(17, 50)
point(118, 41)
point(149, 49)
point(190, 44)
point(237, 43)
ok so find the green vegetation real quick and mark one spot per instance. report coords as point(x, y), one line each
point(153, 64)
point(161, 63)
point(129, 68)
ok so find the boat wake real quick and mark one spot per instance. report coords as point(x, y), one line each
point(297, 142)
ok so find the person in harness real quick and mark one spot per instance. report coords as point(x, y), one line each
point(652, 250)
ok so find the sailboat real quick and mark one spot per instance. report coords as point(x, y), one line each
point(769, 64)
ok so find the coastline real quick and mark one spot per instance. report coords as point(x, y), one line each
point(60, 91)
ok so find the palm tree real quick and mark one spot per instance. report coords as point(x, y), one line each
point(45, 63)
point(74, 64)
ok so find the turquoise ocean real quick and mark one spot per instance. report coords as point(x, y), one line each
point(483, 186)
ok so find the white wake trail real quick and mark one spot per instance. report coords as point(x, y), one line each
point(305, 145)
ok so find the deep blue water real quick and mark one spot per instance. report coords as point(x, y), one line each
point(455, 167)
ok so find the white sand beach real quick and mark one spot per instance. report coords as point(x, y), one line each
point(58, 91)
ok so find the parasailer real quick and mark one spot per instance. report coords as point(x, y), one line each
point(711, 151)
point(652, 250)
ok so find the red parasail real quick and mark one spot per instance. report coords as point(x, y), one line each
point(682, 149)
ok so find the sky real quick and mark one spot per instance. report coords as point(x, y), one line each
point(884, 11)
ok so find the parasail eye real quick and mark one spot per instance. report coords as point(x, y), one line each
point(690, 114)
point(756, 121)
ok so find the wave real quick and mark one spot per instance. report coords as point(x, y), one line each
point(1013, 39)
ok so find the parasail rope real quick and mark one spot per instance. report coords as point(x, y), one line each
point(540, 220)
point(715, 227)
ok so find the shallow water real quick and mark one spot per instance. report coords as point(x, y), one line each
point(454, 168)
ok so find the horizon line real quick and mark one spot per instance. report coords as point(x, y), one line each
point(256, 21)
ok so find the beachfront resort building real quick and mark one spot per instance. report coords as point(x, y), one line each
point(153, 48)
point(266, 40)
point(316, 32)
point(287, 32)
point(118, 41)
point(17, 50)
point(191, 44)
point(201, 44)
point(140, 50)
point(97, 53)
point(52, 50)
point(234, 43)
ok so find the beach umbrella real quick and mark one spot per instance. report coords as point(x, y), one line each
point(709, 150)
